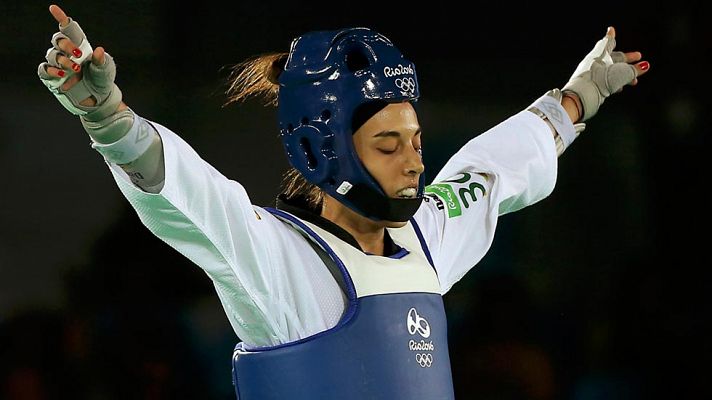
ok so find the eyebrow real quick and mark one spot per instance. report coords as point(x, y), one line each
point(393, 133)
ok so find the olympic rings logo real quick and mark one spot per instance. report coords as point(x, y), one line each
point(425, 360)
point(406, 85)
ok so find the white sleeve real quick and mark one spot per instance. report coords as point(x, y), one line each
point(273, 286)
point(509, 167)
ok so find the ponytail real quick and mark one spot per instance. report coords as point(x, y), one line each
point(256, 77)
point(259, 77)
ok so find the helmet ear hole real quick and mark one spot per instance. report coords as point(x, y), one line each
point(306, 149)
point(356, 60)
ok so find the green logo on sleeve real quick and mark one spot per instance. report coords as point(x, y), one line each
point(447, 194)
point(452, 199)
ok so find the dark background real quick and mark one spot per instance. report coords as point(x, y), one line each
point(597, 292)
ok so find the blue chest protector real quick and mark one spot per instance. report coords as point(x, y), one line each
point(391, 342)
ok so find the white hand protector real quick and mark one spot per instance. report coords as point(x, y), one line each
point(601, 73)
point(97, 80)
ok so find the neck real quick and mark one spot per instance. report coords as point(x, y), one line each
point(368, 233)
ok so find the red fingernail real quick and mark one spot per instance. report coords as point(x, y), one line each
point(644, 65)
point(60, 73)
point(76, 67)
point(77, 53)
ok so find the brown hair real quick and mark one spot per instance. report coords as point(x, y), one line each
point(258, 77)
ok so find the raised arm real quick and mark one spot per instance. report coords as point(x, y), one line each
point(257, 264)
point(600, 74)
point(514, 164)
point(87, 89)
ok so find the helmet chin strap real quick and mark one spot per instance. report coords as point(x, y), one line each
point(378, 207)
point(376, 204)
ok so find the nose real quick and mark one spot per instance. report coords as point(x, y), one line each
point(414, 162)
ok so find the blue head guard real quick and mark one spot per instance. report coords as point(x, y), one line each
point(327, 77)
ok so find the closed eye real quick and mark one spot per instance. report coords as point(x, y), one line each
point(419, 150)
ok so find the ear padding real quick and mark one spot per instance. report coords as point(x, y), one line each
point(308, 148)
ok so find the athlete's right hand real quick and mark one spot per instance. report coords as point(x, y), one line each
point(82, 79)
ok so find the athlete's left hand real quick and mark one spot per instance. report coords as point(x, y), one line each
point(604, 72)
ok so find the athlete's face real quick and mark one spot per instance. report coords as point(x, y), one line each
point(389, 146)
